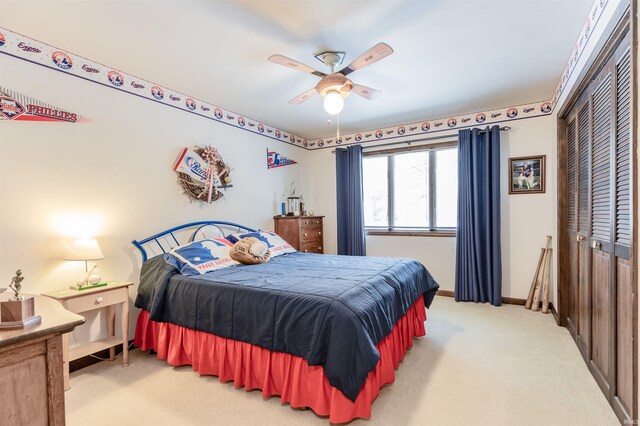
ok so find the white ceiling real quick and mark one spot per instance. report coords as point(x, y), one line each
point(450, 56)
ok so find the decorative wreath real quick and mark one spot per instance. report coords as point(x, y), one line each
point(218, 176)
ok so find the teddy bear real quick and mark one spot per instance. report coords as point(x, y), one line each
point(250, 251)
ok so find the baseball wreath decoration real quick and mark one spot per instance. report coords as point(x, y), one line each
point(202, 172)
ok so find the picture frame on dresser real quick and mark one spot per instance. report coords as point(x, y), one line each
point(304, 233)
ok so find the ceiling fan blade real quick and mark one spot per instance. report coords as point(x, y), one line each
point(377, 52)
point(365, 92)
point(302, 97)
point(291, 63)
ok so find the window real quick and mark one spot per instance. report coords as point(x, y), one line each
point(412, 189)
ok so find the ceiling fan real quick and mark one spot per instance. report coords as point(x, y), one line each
point(334, 87)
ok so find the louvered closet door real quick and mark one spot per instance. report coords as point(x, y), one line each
point(622, 230)
point(600, 218)
point(600, 242)
point(572, 222)
point(584, 229)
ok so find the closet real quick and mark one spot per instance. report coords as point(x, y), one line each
point(597, 281)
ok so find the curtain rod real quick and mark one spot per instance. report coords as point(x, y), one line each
point(502, 129)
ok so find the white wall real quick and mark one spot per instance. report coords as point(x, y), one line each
point(526, 219)
point(112, 177)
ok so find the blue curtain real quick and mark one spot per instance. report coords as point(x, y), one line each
point(351, 238)
point(478, 255)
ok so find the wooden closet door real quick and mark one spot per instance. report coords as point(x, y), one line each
point(572, 223)
point(623, 285)
point(600, 241)
point(600, 282)
point(584, 229)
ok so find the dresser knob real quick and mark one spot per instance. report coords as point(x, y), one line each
point(317, 221)
point(99, 299)
point(305, 234)
point(306, 250)
point(306, 223)
point(319, 248)
point(319, 233)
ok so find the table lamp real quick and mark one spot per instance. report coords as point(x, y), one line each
point(86, 249)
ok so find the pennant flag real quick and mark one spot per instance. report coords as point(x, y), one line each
point(192, 164)
point(14, 106)
point(276, 160)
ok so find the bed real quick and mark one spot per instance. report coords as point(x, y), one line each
point(321, 331)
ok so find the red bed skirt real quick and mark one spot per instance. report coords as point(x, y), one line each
point(279, 373)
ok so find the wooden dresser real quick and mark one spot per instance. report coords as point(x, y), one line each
point(31, 377)
point(304, 233)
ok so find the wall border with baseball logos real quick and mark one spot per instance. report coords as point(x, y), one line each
point(422, 128)
point(31, 50)
point(36, 52)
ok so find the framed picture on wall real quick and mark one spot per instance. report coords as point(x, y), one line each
point(527, 175)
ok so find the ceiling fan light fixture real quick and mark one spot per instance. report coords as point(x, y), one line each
point(333, 102)
point(336, 86)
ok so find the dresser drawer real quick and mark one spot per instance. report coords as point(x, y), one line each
point(306, 223)
point(311, 234)
point(96, 300)
point(312, 247)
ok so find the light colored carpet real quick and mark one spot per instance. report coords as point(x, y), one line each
point(478, 365)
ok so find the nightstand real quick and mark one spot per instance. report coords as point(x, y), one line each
point(108, 297)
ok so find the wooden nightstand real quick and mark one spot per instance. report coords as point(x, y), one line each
point(114, 293)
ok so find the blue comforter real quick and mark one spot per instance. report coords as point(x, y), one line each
point(330, 310)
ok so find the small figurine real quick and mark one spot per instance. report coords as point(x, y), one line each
point(16, 286)
point(18, 311)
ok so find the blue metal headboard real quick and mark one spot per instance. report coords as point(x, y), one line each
point(170, 232)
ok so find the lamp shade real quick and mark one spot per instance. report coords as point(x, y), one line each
point(333, 102)
point(84, 249)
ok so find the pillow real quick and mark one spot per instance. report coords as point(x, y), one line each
point(275, 243)
point(250, 251)
point(223, 241)
point(200, 257)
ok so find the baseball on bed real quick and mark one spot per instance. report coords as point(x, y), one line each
point(258, 249)
point(250, 251)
